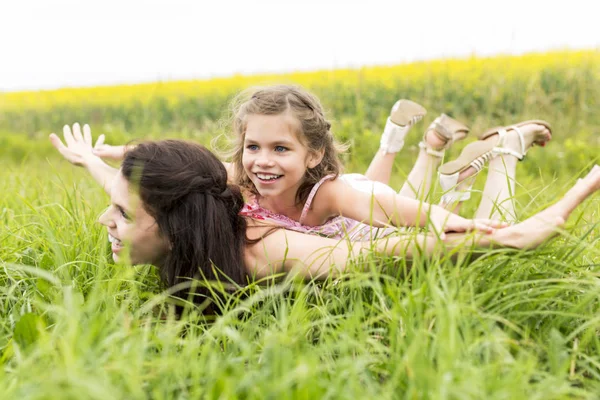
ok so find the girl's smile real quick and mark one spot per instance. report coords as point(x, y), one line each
point(267, 178)
point(274, 158)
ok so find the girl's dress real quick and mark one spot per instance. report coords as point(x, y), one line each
point(337, 227)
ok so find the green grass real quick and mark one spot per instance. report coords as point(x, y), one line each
point(510, 325)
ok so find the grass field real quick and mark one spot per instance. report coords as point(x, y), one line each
point(509, 325)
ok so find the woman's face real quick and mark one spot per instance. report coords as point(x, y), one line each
point(127, 222)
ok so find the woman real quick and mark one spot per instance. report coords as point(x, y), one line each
point(172, 204)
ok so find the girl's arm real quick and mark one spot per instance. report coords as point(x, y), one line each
point(78, 150)
point(383, 209)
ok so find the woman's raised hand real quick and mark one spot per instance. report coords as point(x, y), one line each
point(108, 151)
point(77, 148)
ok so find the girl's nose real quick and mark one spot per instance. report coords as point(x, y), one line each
point(264, 161)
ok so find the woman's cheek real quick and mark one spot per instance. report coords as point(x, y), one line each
point(124, 231)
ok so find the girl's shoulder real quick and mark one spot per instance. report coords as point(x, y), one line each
point(328, 187)
point(322, 203)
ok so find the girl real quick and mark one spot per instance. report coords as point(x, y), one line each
point(187, 212)
point(286, 161)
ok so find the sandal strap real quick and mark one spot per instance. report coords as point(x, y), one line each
point(441, 132)
point(451, 195)
point(448, 182)
point(480, 161)
point(521, 140)
point(499, 149)
point(441, 129)
point(456, 196)
point(436, 153)
point(447, 129)
point(392, 139)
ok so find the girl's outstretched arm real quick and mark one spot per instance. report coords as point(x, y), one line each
point(78, 150)
point(383, 209)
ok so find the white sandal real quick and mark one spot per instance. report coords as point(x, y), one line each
point(447, 129)
point(404, 115)
point(476, 155)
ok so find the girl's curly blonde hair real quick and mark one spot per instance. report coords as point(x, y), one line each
point(314, 133)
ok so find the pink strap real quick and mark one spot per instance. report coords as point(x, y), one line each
point(311, 195)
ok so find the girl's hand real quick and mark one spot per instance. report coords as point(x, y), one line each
point(455, 223)
point(78, 149)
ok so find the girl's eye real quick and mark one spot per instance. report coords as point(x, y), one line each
point(252, 147)
point(280, 149)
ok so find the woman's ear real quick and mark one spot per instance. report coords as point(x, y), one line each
point(315, 158)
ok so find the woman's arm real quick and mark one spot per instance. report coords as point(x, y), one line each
point(312, 256)
point(100, 171)
point(230, 171)
point(117, 153)
point(78, 150)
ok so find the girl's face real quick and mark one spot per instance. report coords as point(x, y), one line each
point(128, 222)
point(273, 158)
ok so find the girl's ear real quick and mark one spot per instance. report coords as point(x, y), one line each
point(315, 158)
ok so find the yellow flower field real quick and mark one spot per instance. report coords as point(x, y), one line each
point(470, 74)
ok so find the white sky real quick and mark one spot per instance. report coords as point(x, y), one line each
point(48, 44)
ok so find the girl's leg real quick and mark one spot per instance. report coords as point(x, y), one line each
point(498, 194)
point(418, 182)
point(497, 201)
point(437, 138)
point(380, 169)
point(404, 115)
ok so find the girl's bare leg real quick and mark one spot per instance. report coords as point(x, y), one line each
point(440, 135)
point(403, 116)
point(380, 169)
point(418, 183)
point(498, 194)
point(497, 201)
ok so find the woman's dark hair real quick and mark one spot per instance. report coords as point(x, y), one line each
point(184, 187)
